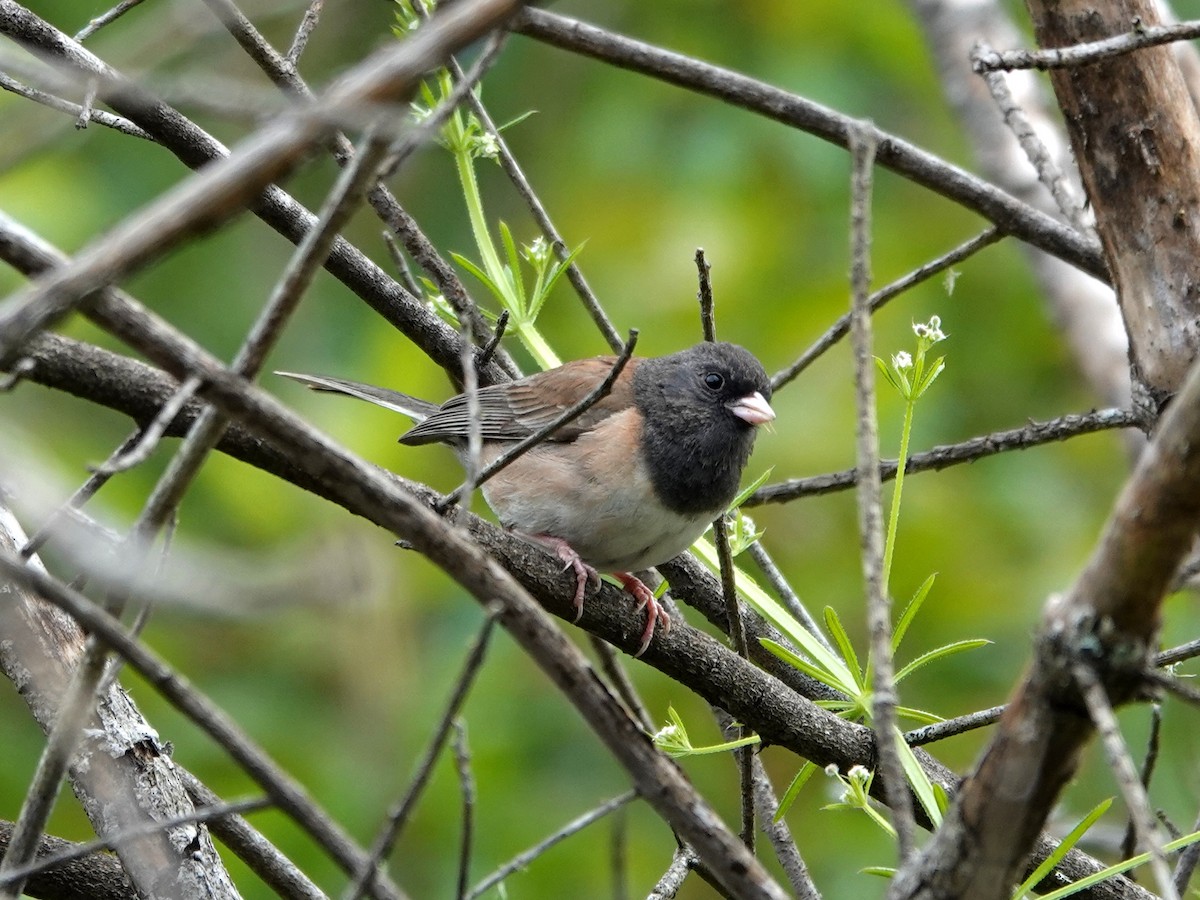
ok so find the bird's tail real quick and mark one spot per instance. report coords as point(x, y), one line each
point(416, 409)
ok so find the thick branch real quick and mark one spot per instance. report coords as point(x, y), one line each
point(1136, 137)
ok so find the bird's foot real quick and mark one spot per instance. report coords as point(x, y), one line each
point(583, 572)
point(654, 609)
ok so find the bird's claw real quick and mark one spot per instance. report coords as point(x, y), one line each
point(654, 609)
point(583, 574)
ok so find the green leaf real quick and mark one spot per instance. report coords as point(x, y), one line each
point(555, 273)
point(920, 782)
point(919, 715)
point(799, 662)
point(886, 371)
point(836, 674)
point(674, 739)
point(516, 121)
point(793, 789)
point(484, 279)
point(943, 799)
point(836, 706)
point(745, 492)
point(938, 367)
point(910, 611)
point(834, 625)
point(949, 650)
point(514, 269)
point(881, 871)
point(1064, 847)
point(1132, 863)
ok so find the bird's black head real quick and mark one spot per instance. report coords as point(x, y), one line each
point(701, 407)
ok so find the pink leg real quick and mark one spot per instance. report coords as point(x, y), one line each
point(565, 552)
point(654, 610)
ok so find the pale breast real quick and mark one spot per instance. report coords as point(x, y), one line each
point(597, 499)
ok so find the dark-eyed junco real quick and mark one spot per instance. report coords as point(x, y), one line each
point(631, 483)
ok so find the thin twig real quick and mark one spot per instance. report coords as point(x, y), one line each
point(863, 142)
point(466, 782)
point(1175, 686)
point(263, 858)
point(523, 446)
point(522, 860)
point(105, 18)
point(708, 323)
point(397, 816)
point(1129, 843)
point(1139, 37)
point(150, 436)
point(76, 501)
point(682, 863)
point(841, 327)
point(1178, 654)
point(767, 806)
point(403, 272)
point(743, 758)
point(1032, 435)
point(1049, 174)
point(1185, 866)
point(610, 664)
point(312, 13)
point(1109, 732)
point(939, 731)
point(78, 851)
point(1006, 212)
point(488, 350)
point(733, 609)
point(786, 593)
point(89, 101)
point(618, 854)
point(99, 116)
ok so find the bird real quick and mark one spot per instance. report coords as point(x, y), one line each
point(632, 482)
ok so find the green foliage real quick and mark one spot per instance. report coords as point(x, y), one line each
point(673, 738)
point(1025, 888)
point(912, 378)
point(465, 136)
point(857, 795)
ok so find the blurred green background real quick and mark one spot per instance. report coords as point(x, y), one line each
point(343, 690)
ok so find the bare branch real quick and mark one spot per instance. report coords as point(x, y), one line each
point(1137, 38)
point(1008, 214)
point(1032, 435)
point(879, 298)
point(1119, 760)
point(522, 860)
point(863, 143)
point(398, 815)
point(276, 870)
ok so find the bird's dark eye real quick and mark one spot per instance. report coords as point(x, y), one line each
point(714, 381)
